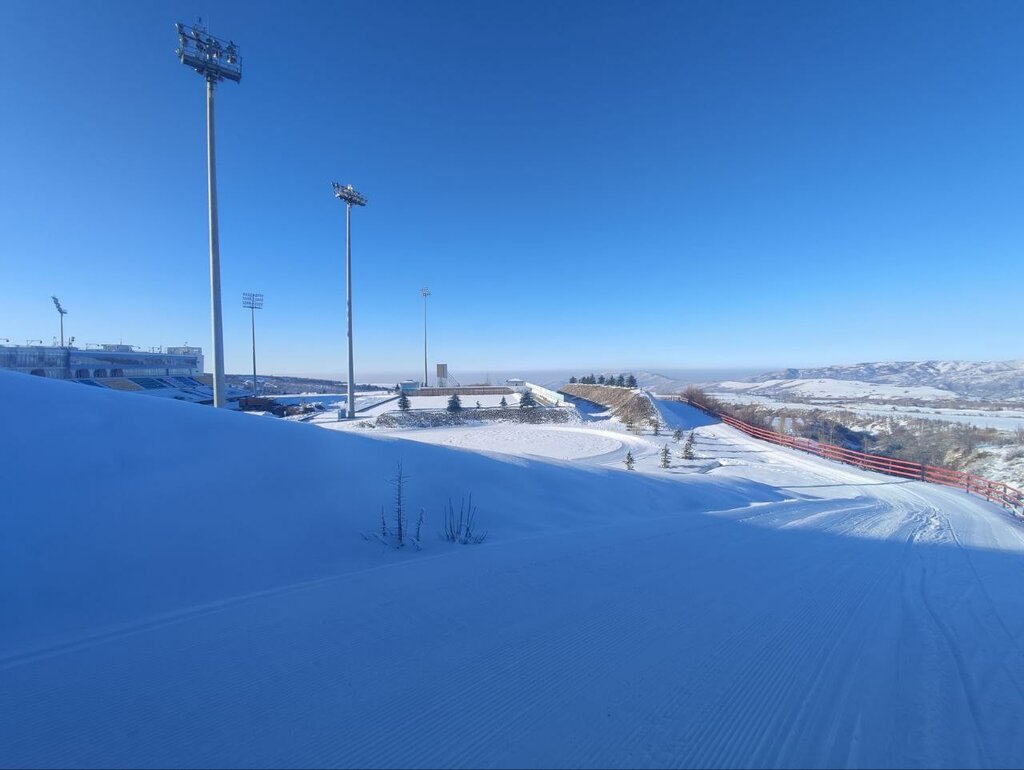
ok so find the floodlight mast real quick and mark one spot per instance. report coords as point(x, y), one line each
point(63, 312)
point(253, 301)
point(215, 60)
point(351, 198)
point(426, 293)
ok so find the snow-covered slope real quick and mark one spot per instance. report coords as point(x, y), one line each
point(993, 380)
point(187, 587)
point(834, 389)
point(125, 508)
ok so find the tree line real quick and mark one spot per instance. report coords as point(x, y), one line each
point(618, 381)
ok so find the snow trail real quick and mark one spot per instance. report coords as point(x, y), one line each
point(842, 620)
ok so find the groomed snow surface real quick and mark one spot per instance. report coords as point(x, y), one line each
point(183, 586)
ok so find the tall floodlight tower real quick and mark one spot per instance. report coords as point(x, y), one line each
point(253, 301)
point(215, 60)
point(351, 198)
point(63, 312)
point(426, 293)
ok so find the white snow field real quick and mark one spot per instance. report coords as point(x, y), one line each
point(182, 586)
point(836, 389)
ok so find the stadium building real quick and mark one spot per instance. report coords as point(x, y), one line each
point(175, 372)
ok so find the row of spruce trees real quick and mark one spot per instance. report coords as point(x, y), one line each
point(526, 400)
point(619, 381)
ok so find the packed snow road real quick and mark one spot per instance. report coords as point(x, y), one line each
point(848, 619)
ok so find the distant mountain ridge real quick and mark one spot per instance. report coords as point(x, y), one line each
point(993, 380)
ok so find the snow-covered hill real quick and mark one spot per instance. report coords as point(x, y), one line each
point(990, 380)
point(834, 389)
point(183, 586)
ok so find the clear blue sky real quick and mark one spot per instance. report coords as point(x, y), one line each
point(582, 185)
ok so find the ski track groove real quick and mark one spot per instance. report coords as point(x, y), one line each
point(750, 710)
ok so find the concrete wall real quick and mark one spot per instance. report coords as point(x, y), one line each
point(546, 394)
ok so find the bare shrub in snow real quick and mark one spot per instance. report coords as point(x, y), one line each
point(461, 528)
point(417, 539)
point(398, 482)
point(399, 534)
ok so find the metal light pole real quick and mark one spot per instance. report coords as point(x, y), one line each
point(63, 312)
point(215, 60)
point(426, 293)
point(253, 301)
point(351, 198)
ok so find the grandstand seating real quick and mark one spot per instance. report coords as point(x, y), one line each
point(121, 384)
point(148, 383)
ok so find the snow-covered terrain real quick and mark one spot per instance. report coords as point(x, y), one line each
point(1009, 420)
point(835, 389)
point(989, 380)
point(187, 586)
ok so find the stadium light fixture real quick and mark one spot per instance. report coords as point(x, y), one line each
point(253, 301)
point(63, 312)
point(215, 60)
point(426, 293)
point(351, 198)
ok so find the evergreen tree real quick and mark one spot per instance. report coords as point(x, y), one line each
point(666, 457)
point(600, 379)
point(631, 381)
point(688, 447)
point(657, 426)
point(620, 381)
point(629, 461)
point(572, 380)
point(504, 403)
point(454, 403)
point(677, 435)
point(403, 402)
point(593, 379)
point(527, 399)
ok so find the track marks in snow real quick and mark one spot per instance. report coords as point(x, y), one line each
point(857, 622)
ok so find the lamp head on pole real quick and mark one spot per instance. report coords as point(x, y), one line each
point(348, 194)
point(212, 58)
point(252, 300)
